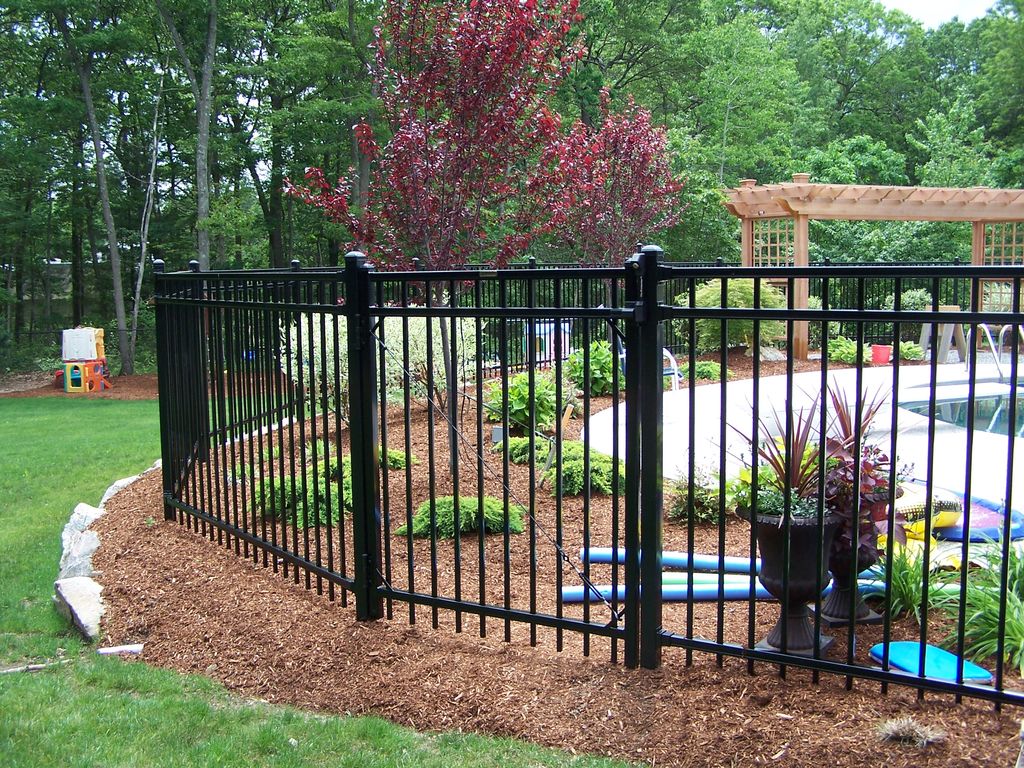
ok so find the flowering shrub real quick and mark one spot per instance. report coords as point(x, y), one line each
point(308, 357)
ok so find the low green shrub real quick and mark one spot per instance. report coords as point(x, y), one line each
point(914, 300)
point(519, 450)
point(814, 328)
point(704, 369)
point(910, 350)
point(285, 500)
point(283, 496)
point(844, 350)
point(470, 518)
point(520, 401)
point(705, 499)
point(574, 478)
point(598, 377)
point(739, 294)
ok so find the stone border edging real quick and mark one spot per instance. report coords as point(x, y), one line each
point(77, 594)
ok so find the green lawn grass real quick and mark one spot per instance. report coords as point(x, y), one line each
point(105, 712)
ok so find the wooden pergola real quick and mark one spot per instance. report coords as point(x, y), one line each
point(774, 224)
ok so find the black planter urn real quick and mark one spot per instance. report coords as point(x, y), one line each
point(835, 608)
point(804, 578)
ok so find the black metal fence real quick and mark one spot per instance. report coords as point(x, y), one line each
point(520, 451)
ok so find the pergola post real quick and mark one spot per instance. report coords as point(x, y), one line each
point(800, 284)
point(747, 242)
point(747, 230)
point(978, 257)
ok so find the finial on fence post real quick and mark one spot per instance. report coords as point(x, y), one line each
point(158, 266)
point(532, 261)
point(193, 266)
point(415, 263)
point(296, 265)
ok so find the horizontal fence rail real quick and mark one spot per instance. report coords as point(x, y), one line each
point(518, 451)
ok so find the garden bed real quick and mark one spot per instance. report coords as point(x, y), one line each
point(198, 607)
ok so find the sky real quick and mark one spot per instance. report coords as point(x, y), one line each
point(932, 13)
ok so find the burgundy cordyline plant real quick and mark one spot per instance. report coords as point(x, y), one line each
point(477, 166)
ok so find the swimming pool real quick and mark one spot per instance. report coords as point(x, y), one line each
point(991, 413)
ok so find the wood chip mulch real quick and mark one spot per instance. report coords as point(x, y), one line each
point(138, 387)
point(201, 609)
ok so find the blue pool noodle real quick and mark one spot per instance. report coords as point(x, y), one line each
point(732, 564)
point(709, 592)
point(672, 592)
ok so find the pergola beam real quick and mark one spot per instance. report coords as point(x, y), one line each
point(875, 203)
point(801, 201)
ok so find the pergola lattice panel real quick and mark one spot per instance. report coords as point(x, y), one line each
point(773, 242)
point(1003, 244)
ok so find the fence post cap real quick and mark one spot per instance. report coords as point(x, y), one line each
point(158, 265)
point(655, 249)
point(193, 266)
point(355, 258)
point(296, 265)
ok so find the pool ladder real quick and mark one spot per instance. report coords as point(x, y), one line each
point(996, 348)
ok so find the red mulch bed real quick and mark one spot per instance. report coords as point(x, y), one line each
point(200, 608)
point(138, 387)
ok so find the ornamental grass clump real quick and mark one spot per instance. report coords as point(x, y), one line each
point(438, 518)
point(781, 465)
point(982, 626)
point(904, 572)
point(704, 488)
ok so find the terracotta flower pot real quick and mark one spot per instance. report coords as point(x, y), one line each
point(804, 581)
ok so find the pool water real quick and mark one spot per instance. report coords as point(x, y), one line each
point(991, 414)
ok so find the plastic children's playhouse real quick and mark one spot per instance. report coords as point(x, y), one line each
point(85, 361)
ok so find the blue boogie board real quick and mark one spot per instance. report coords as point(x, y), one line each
point(939, 664)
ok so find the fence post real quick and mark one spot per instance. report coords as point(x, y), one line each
point(631, 609)
point(651, 338)
point(363, 433)
point(163, 367)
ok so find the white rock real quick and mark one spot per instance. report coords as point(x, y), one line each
point(771, 354)
point(78, 598)
point(83, 516)
point(120, 650)
point(119, 485)
point(76, 559)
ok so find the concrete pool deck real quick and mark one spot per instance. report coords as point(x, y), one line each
point(949, 460)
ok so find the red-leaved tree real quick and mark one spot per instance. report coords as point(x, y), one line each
point(476, 166)
point(616, 184)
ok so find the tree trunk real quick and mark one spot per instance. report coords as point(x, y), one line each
point(203, 140)
point(101, 179)
point(77, 237)
point(219, 242)
point(147, 212)
point(47, 282)
point(275, 217)
point(202, 91)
